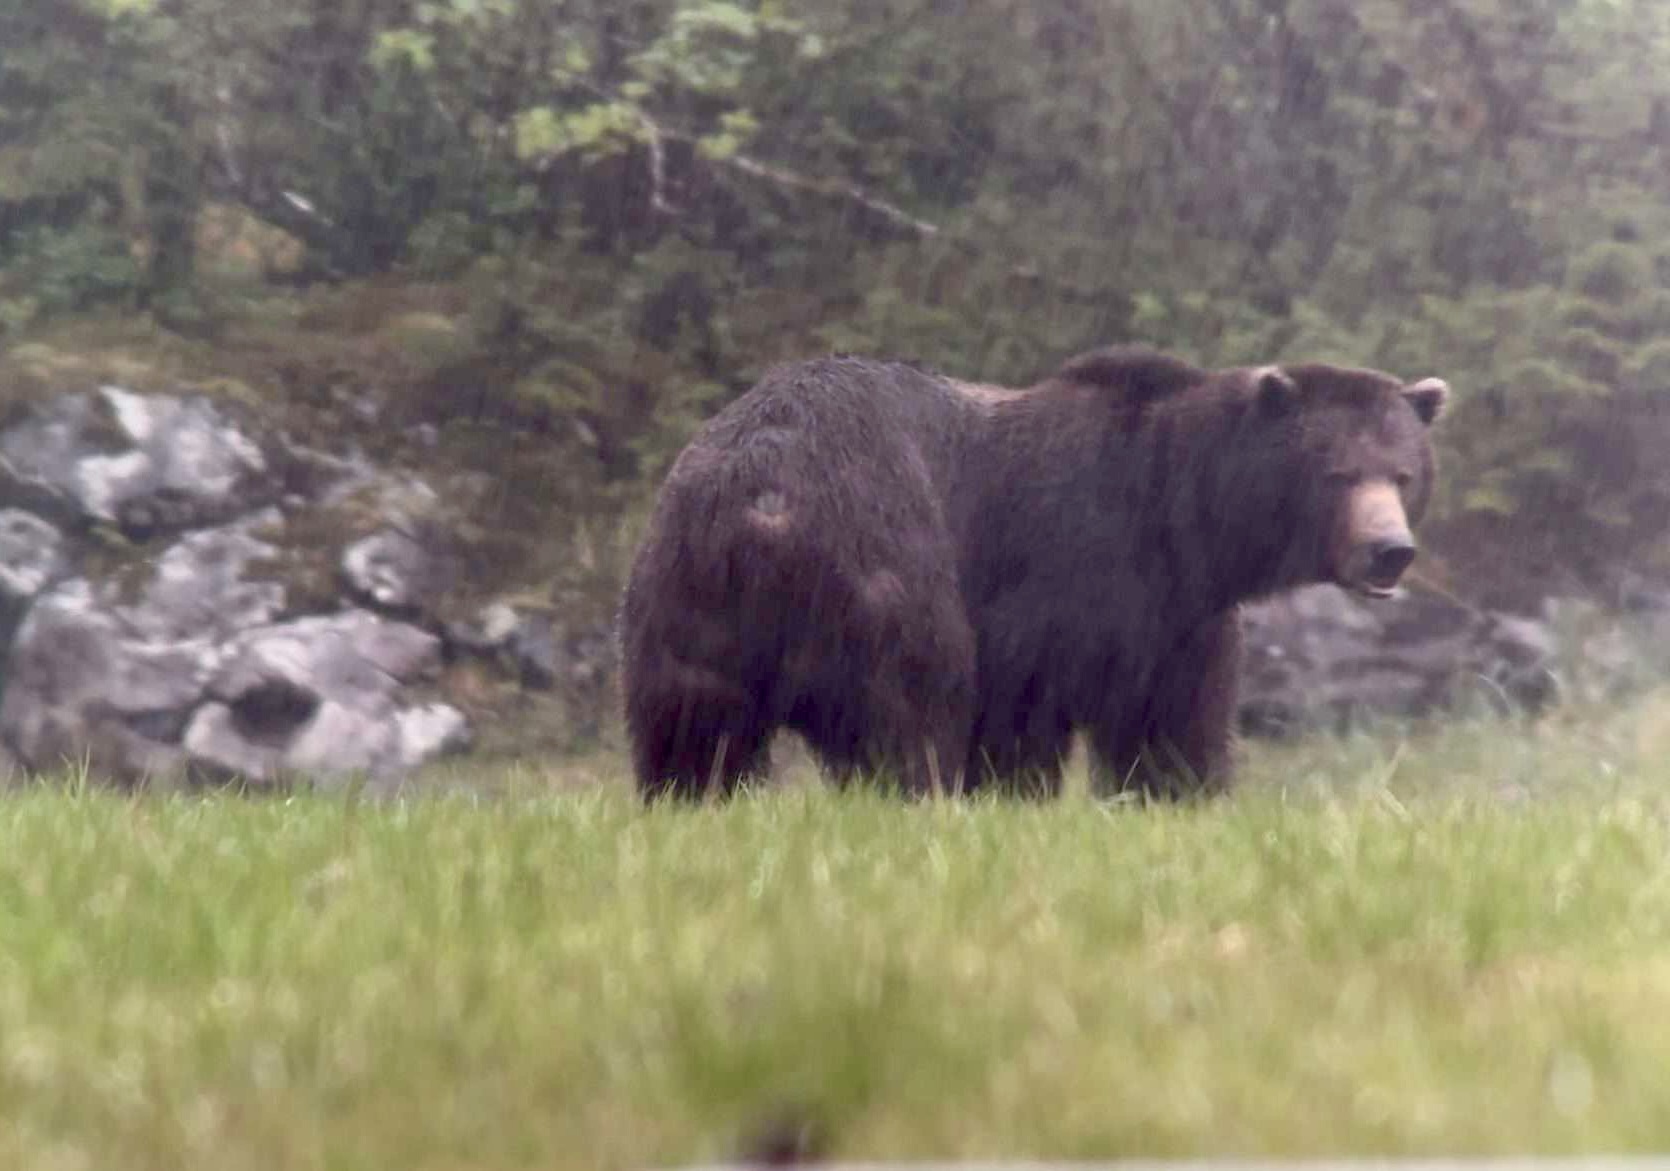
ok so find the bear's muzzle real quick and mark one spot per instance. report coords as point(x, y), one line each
point(1375, 546)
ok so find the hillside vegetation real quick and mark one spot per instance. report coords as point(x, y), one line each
point(560, 233)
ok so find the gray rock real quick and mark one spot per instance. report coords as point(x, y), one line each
point(403, 561)
point(183, 661)
point(1641, 595)
point(320, 696)
point(80, 688)
point(193, 675)
point(399, 499)
point(31, 556)
point(144, 463)
point(434, 729)
point(393, 570)
point(489, 630)
point(534, 645)
point(1606, 653)
point(225, 751)
point(342, 740)
point(543, 650)
point(1320, 658)
point(201, 586)
point(353, 650)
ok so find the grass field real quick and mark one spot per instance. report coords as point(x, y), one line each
point(1456, 945)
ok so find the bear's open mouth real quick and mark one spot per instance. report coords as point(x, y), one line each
point(1375, 589)
point(1377, 572)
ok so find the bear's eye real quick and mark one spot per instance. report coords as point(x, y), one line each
point(1403, 480)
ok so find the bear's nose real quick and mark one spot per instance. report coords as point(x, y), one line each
point(1390, 557)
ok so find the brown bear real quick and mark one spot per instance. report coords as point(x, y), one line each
point(942, 581)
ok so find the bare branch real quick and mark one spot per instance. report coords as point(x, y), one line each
point(225, 138)
point(657, 167)
point(835, 187)
point(840, 189)
point(1505, 113)
point(781, 176)
point(1182, 125)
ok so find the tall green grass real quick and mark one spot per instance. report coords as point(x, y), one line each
point(1459, 943)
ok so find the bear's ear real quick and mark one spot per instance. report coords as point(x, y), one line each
point(1273, 390)
point(1428, 397)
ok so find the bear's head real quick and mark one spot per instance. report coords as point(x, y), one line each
point(1356, 448)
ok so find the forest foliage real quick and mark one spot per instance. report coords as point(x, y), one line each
point(644, 202)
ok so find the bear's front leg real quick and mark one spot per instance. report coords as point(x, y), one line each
point(1183, 743)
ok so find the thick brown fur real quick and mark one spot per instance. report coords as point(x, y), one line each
point(945, 581)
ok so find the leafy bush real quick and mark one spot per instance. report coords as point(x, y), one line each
point(50, 270)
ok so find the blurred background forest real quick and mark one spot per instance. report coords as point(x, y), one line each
point(557, 233)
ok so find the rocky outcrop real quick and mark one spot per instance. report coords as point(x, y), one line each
point(1323, 660)
point(1319, 658)
point(403, 563)
point(141, 463)
point(149, 625)
point(31, 557)
point(1614, 650)
point(532, 643)
point(322, 695)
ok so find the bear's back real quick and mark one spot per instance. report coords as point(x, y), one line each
point(850, 410)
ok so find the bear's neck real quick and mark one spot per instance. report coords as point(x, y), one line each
point(1164, 507)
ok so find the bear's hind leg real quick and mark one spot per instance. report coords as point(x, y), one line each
point(703, 736)
point(900, 705)
point(923, 692)
point(1021, 744)
point(922, 747)
point(899, 742)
